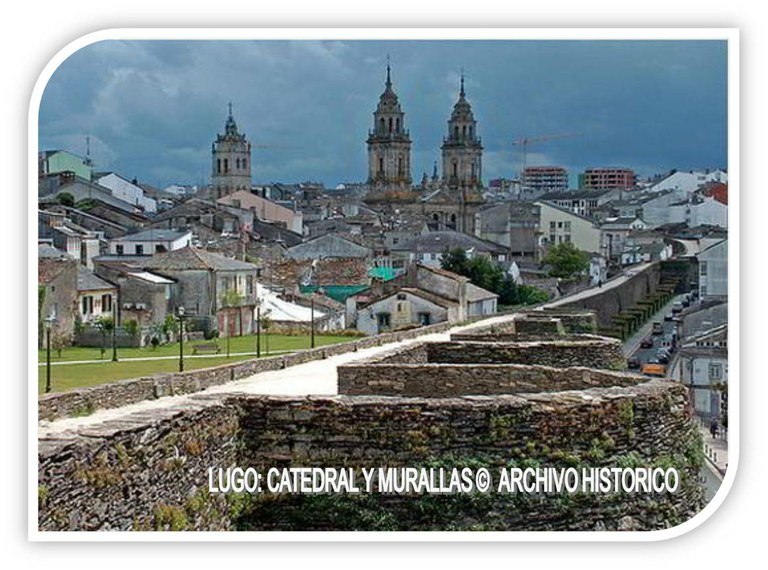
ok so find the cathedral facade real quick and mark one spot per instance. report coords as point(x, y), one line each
point(447, 202)
point(231, 161)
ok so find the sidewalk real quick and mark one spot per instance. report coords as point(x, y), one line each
point(715, 449)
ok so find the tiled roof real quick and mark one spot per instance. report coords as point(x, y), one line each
point(188, 258)
point(87, 281)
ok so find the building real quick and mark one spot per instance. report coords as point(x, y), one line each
point(126, 191)
point(607, 178)
point(230, 161)
point(60, 161)
point(265, 210)
point(96, 297)
point(212, 288)
point(560, 225)
point(614, 233)
point(687, 181)
point(421, 296)
point(57, 274)
point(538, 180)
point(389, 145)
point(429, 248)
point(583, 202)
point(329, 246)
point(80, 243)
point(149, 242)
point(462, 148)
point(512, 224)
point(702, 365)
point(713, 271)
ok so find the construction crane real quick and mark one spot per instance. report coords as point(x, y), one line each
point(525, 141)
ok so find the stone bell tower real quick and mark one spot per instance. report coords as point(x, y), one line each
point(389, 144)
point(231, 164)
point(462, 148)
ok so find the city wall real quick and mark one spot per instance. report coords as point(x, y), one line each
point(149, 471)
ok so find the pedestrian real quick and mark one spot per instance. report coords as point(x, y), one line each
point(599, 283)
point(713, 428)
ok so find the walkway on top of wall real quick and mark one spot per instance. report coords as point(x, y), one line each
point(317, 377)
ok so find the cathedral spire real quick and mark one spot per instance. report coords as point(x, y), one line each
point(461, 93)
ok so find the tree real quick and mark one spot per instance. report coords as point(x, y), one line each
point(105, 324)
point(566, 261)
point(66, 199)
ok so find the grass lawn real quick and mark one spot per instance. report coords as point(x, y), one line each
point(274, 342)
point(68, 376)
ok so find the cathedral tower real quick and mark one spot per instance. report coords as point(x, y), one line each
point(231, 165)
point(462, 148)
point(389, 145)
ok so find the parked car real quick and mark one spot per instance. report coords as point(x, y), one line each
point(647, 342)
point(677, 307)
point(658, 328)
point(633, 363)
point(654, 369)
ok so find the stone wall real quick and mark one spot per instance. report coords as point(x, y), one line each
point(612, 301)
point(149, 471)
point(83, 401)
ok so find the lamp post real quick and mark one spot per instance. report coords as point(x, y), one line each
point(48, 324)
point(114, 331)
point(180, 314)
point(312, 320)
point(258, 331)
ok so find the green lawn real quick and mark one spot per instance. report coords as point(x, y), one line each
point(237, 344)
point(68, 376)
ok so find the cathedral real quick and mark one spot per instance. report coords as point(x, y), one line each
point(231, 161)
point(447, 202)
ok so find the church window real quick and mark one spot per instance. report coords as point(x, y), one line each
point(390, 124)
point(218, 166)
point(455, 168)
point(244, 163)
point(381, 165)
point(470, 132)
point(237, 163)
point(456, 132)
point(381, 125)
point(397, 125)
point(400, 166)
point(226, 165)
point(464, 131)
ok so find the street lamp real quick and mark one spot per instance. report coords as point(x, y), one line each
point(180, 315)
point(312, 320)
point(258, 330)
point(49, 321)
point(114, 331)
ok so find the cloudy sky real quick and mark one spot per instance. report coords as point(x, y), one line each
point(152, 108)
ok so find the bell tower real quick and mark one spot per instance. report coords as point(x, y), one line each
point(462, 148)
point(389, 144)
point(231, 164)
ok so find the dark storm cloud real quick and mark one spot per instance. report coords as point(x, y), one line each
point(152, 108)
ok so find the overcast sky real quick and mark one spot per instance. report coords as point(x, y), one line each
point(153, 108)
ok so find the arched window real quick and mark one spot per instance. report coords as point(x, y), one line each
point(390, 124)
point(455, 168)
point(381, 125)
point(381, 165)
point(400, 166)
point(237, 163)
point(397, 125)
point(218, 166)
point(473, 170)
point(456, 132)
point(464, 130)
point(470, 131)
point(244, 163)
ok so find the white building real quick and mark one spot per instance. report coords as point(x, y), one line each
point(713, 271)
point(688, 181)
point(127, 191)
point(149, 242)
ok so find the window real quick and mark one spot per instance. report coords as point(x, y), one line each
point(226, 165)
point(106, 303)
point(390, 124)
point(381, 164)
point(120, 249)
point(715, 371)
point(397, 125)
point(703, 268)
point(139, 249)
point(87, 305)
point(218, 166)
point(160, 248)
point(424, 319)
